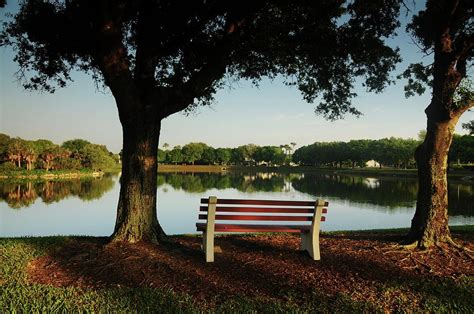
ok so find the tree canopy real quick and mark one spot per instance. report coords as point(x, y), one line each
point(161, 57)
point(183, 50)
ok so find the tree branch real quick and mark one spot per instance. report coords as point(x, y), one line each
point(111, 58)
point(183, 95)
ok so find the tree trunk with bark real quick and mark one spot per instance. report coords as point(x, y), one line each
point(136, 213)
point(430, 222)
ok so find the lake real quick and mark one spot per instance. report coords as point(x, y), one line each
point(87, 206)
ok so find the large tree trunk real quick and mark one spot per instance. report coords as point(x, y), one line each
point(136, 212)
point(430, 223)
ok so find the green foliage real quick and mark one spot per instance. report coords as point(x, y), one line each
point(41, 145)
point(321, 47)
point(44, 154)
point(76, 145)
point(192, 152)
point(96, 157)
point(209, 155)
point(271, 155)
point(244, 154)
point(174, 156)
point(223, 155)
point(428, 28)
point(162, 155)
point(4, 139)
point(469, 126)
point(462, 149)
point(395, 152)
point(16, 149)
point(464, 94)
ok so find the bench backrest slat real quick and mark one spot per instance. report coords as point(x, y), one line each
point(263, 210)
point(262, 202)
point(257, 218)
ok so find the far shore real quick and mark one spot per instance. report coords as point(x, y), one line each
point(464, 175)
point(51, 175)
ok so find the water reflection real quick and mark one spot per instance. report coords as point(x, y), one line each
point(243, 182)
point(21, 194)
point(66, 206)
point(387, 194)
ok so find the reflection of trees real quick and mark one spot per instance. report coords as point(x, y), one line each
point(461, 199)
point(24, 193)
point(385, 192)
point(201, 182)
point(18, 196)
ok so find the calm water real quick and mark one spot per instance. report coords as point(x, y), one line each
point(87, 207)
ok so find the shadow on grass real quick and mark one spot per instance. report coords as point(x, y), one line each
point(253, 273)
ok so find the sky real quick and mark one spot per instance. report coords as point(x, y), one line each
point(272, 114)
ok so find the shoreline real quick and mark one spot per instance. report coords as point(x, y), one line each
point(461, 175)
point(464, 175)
point(47, 176)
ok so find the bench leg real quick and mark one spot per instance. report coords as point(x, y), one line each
point(208, 246)
point(310, 243)
point(315, 247)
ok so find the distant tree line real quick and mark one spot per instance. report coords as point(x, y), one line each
point(20, 154)
point(462, 149)
point(387, 152)
point(203, 154)
point(393, 152)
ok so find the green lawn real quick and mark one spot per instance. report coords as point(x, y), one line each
point(18, 295)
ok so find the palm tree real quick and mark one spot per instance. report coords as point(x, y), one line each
point(16, 150)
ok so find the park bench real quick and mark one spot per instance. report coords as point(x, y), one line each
point(226, 215)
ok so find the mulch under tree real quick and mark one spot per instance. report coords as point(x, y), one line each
point(269, 266)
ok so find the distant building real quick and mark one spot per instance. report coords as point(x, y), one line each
point(372, 164)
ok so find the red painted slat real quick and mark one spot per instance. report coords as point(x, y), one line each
point(223, 209)
point(258, 218)
point(255, 228)
point(260, 202)
point(261, 218)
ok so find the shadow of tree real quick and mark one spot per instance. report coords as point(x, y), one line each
point(265, 267)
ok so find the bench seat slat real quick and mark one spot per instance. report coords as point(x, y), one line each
point(258, 218)
point(255, 228)
point(223, 209)
point(262, 202)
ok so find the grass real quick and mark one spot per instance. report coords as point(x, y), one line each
point(18, 295)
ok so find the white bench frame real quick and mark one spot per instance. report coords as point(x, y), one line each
point(309, 240)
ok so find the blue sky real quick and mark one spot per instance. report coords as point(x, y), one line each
point(272, 114)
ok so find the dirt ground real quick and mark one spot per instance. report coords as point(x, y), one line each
point(266, 265)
